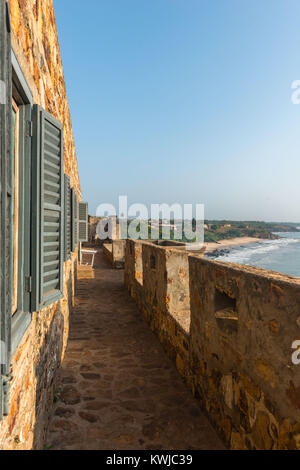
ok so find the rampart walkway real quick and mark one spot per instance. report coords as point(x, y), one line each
point(117, 388)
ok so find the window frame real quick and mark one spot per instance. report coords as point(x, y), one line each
point(22, 95)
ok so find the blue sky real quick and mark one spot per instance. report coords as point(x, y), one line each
point(186, 101)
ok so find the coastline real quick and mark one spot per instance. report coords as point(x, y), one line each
point(223, 244)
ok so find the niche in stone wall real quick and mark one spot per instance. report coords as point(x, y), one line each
point(152, 262)
point(225, 311)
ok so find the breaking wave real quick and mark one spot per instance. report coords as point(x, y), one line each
point(244, 255)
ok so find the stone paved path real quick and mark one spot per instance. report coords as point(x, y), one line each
point(117, 388)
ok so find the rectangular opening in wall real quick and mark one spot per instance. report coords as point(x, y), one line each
point(225, 306)
point(152, 262)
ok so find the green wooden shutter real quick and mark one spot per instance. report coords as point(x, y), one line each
point(5, 204)
point(48, 209)
point(67, 239)
point(83, 222)
point(74, 220)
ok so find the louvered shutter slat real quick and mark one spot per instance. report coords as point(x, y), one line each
point(48, 203)
point(83, 222)
point(67, 218)
point(74, 220)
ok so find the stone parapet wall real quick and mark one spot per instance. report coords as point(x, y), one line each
point(115, 253)
point(236, 354)
point(157, 277)
point(107, 251)
point(243, 323)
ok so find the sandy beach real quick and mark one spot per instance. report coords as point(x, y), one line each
point(211, 246)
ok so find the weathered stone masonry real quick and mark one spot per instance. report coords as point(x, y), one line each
point(35, 42)
point(34, 364)
point(230, 329)
point(115, 253)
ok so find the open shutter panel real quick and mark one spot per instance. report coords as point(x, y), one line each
point(67, 239)
point(83, 233)
point(74, 220)
point(48, 208)
point(5, 204)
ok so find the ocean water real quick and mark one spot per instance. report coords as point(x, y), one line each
point(282, 255)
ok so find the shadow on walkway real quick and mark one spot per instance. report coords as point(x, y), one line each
point(117, 388)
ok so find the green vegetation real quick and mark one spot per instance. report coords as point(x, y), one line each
point(216, 230)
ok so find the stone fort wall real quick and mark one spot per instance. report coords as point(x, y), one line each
point(229, 329)
point(34, 364)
